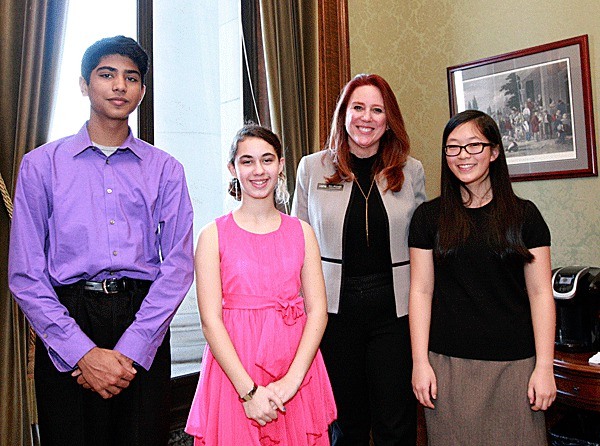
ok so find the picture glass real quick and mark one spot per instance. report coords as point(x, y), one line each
point(541, 100)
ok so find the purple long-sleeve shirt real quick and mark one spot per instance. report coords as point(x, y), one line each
point(79, 215)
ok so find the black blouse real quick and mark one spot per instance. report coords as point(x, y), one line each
point(359, 257)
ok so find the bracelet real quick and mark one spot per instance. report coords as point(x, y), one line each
point(249, 395)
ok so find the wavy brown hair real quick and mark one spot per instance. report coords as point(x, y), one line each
point(394, 145)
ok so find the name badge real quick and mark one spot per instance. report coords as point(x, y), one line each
point(330, 186)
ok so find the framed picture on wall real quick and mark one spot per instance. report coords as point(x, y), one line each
point(541, 98)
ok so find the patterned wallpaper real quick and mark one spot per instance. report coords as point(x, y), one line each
point(412, 42)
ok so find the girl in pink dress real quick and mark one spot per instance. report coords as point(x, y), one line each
point(262, 304)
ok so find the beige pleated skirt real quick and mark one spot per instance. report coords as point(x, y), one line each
point(482, 403)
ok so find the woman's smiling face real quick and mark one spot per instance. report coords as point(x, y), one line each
point(366, 121)
point(472, 170)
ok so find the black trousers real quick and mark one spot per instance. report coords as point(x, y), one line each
point(367, 353)
point(70, 415)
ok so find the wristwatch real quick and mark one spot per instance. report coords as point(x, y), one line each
point(249, 395)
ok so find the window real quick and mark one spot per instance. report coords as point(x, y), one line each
point(197, 110)
point(197, 97)
point(71, 109)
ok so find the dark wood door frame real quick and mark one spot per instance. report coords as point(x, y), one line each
point(334, 59)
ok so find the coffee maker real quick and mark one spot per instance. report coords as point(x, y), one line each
point(577, 296)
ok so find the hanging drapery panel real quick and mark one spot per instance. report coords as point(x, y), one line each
point(307, 63)
point(31, 34)
point(290, 40)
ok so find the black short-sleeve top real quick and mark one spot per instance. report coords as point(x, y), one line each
point(480, 308)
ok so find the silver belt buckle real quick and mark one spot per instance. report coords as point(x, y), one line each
point(113, 283)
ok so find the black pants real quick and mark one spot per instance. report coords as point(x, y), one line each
point(70, 415)
point(366, 349)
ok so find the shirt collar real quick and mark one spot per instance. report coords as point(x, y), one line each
point(81, 141)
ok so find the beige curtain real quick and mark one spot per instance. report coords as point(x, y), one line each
point(290, 39)
point(31, 34)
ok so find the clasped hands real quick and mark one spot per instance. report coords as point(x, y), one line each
point(106, 372)
point(266, 401)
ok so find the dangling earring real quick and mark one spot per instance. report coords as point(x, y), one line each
point(282, 194)
point(238, 193)
point(234, 189)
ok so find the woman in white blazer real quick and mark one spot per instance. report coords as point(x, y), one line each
point(359, 195)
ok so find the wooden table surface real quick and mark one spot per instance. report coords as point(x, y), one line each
point(577, 381)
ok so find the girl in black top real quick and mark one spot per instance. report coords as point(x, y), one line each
point(481, 307)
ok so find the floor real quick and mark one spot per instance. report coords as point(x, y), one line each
point(180, 438)
point(554, 415)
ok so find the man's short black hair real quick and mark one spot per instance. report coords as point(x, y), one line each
point(125, 46)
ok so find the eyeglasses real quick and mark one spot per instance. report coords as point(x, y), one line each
point(472, 148)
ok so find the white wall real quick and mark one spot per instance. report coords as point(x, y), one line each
point(197, 109)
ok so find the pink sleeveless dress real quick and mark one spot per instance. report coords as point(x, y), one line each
point(264, 316)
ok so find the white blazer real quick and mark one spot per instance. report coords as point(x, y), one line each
point(324, 207)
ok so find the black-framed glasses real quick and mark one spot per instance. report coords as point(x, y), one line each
point(472, 148)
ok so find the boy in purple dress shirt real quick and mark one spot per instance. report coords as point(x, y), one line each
point(100, 259)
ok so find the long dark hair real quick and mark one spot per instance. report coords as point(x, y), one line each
point(394, 145)
point(506, 210)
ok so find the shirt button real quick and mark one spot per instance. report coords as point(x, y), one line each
point(107, 161)
point(114, 253)
point(109, 190)
point(112, 222)
point(44, 335)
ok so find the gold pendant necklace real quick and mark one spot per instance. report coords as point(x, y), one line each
point(366, 205)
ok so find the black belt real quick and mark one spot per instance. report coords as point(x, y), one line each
point(113, 286)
